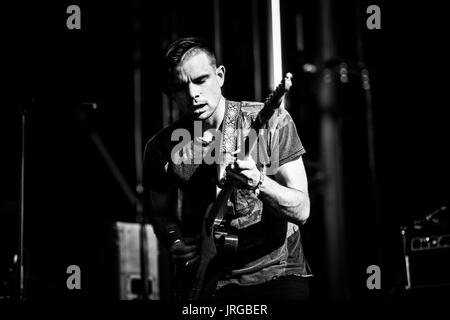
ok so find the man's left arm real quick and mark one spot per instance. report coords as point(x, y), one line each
point(287, 192)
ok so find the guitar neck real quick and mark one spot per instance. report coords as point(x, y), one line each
point(271, 104)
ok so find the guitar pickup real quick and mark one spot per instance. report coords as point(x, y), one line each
point(226, 242)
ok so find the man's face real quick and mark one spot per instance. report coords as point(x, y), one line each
point(197, 85)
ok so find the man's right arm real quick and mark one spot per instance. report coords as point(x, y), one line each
point(183, 250)
point(163, 217)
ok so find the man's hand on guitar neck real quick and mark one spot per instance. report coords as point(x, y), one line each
point(185, 252)
point(245, 173)
point(287, 191)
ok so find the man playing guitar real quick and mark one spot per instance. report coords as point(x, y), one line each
point(267, 202)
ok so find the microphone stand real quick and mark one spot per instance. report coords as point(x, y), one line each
point(20, 293)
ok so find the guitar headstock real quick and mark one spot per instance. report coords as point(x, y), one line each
point(286, 82)
point(274, 99)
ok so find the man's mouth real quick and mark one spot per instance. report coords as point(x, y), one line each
point(199, 108)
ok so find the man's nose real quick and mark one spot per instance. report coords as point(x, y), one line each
point(194, 91)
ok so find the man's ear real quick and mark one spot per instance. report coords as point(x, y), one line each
point(220, 74)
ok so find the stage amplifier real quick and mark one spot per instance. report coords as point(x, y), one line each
point(426, 256)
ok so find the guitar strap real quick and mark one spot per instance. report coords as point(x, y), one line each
point(229, 144)
point(230, 137)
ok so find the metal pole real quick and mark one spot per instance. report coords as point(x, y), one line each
point(365, 83)
point(331, 154)
point(20, 268)
point(137, 98)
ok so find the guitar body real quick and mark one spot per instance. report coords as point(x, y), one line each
point(207, 273)
point(208, 252)
point(214, 223)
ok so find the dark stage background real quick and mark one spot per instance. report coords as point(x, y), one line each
point(72, 199)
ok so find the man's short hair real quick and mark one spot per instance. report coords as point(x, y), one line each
point(181, 49)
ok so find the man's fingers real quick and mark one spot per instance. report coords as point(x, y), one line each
point(185, 246)
point(185, 250)
point(245, 164)
point(236, 152)
point(245, 174)
point(192, 261)
point(191, 240)
point(185, 256)
point(237, 176)
point(179, 249)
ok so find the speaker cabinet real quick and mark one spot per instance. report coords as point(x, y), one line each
point(127, 247)
point(426, 257)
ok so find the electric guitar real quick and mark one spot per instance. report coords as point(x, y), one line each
point(214, 228)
